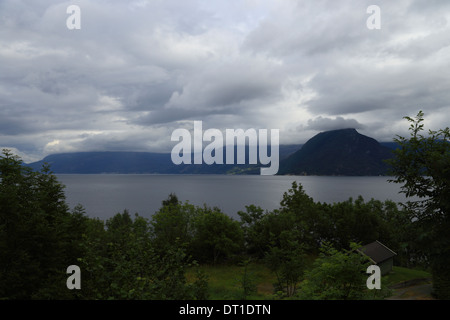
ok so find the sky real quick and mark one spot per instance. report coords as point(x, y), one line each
point(137, 70)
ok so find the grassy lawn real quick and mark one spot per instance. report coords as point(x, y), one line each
point(399, 275)
point(224, 280)
point(411, 284)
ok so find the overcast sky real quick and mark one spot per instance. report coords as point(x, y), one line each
point(137, 70)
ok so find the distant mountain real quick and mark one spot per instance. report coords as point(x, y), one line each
point(339, 152)
point(143, 162)
point(390, 145)
point(106, 162)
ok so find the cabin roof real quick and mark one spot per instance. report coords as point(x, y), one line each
point(377, 252)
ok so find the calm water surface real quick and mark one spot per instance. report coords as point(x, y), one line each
point(104, 195)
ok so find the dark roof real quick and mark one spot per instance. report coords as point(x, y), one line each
point(377, 251)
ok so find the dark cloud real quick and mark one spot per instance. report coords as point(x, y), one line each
point(138, 69)
point(325, 124)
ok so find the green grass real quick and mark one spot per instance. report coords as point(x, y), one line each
point(400, 274)
point(224, 280)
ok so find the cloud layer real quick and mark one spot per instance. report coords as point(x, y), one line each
point(136, 70)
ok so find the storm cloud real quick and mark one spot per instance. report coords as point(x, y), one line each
point(137, 70)
point(325, 124)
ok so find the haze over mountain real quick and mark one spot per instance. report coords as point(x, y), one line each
point(137, 70)
point(144, 162)
point(335, 152)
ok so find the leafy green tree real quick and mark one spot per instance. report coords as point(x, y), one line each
point(38, 233)
point(93, 261)
point(422, 165)
point(401, 234)
point(307, 219)
point(256, 229)
point(217, 236)
point(298, 214)
point(171, 200)
point(19, 269)
point(173, 223)
point(120, 261)
point(288, 261)
point(338, 275)
point(40, 237)
point(354, 221)
point(247, 281)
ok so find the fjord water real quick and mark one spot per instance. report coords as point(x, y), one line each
point(103, 195)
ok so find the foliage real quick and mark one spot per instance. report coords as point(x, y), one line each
point(337, 275)
point(288, 262)
point(422, 165)
point(217, 237)
point(247, 281)
point(40, 237)
point(173, 223)
point(129, 257)
point(313, 223)
point(131, 267)
point(306, 218)
point(207, 233)
point(225, 280)
point(255, 230)
point(37, 232)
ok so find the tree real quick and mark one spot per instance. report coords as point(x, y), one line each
point(121, 262)
point(255, 228)
point(173, 223)
point(354, 221)
point(422, 165)
point(19, 271)
point(402, 234)
point(288, 261)
point(171, 200)
point(247, 281)
point(217, 236)
point(38, 233)
point(40, 237)
point(307, 219)
point(338, 275)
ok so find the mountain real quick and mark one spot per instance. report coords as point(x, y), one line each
point(143, 162)
point(390, 145)
point(106, 162)
point(338, 152)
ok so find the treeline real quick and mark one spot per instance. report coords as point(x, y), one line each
point(40, 237)
point(132, 257)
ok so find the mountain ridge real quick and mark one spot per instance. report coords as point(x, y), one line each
point(343, 152)
point(335, 152)
point(132, 162)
